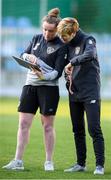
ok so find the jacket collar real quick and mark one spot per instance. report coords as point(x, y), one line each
point(77, 39)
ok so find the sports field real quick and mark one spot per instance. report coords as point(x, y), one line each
point(64, 154)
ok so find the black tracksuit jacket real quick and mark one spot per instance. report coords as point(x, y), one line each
point(53, 53)
point(82, 54)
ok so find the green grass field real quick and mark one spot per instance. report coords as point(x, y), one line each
point(64, 154)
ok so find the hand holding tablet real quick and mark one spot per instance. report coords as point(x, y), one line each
point(26, 64)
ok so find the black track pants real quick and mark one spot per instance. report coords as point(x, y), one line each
point(92, 110)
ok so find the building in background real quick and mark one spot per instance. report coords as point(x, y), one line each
point(22, 19)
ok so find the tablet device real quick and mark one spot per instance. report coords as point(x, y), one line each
point(26, 64)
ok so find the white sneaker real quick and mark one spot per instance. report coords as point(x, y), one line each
point(14, 165)
point(75, 168)
point(48, 166)
point(99, 170)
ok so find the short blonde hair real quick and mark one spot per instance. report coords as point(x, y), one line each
point(68, 26)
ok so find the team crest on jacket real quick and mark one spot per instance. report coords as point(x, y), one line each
point(77, 50)
point(50, 50)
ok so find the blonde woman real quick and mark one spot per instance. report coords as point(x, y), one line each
point(83, 83)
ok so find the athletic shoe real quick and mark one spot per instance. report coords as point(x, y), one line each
point(14, 165)
point(75, 168)
point(48, 166)
point(99, 170)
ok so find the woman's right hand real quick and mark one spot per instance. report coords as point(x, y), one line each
point(31, 58)
point(68, 69)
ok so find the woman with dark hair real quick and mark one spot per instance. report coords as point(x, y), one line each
point(83, 83)
point(41, 89)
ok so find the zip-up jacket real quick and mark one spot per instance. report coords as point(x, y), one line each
point(86, 70)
